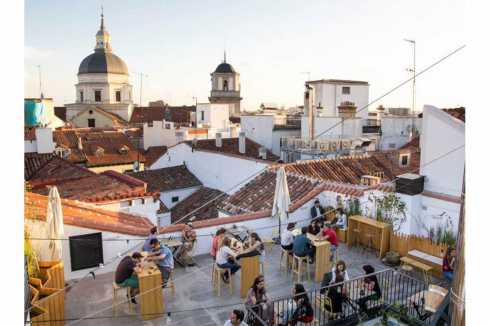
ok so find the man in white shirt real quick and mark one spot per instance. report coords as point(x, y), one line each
point(287, 237)
point(236, 319)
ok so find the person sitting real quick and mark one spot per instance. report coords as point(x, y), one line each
point(125, 275)
point(259, 302)
point(152, 235)
point(340, 269)
point(163, 258)
point(341, 222)
point(236, 318)
point(336, 294)
point(216, 242)
point(302, 245)
point(314, 227)
point(317, 211)
point(299, 309)
point(253, 247)
point(188, 240)
point(370, 283)
point(287, 237)
point(225, 258)
point(329, 234)
point(448, 264)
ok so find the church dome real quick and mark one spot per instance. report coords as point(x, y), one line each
point(224, 68)
point(103, 62)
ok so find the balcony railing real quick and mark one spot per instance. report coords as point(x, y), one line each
point(225, 94)
point(399, 292)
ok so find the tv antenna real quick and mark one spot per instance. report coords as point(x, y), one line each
point(40, 81)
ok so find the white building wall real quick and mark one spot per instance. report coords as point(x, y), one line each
point(350, 128)
point(216, 115)
point(30, 146)
point(166, 196)
point(329, 97)
point(214, 170)
point(147, 209)
point(396, 131)
point(258, 128)
point(276, 139)
point(160, 135)
point(442, 135)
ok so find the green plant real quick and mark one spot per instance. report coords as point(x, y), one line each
point(30, 254)
point(391, 209)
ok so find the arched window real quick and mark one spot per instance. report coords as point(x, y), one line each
point(225, 85)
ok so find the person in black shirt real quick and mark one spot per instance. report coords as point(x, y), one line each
point(126, 275)
point(317, 211)
point(370, 283)
point(315, 227)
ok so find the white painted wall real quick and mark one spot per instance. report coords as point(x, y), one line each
point(351, 128)
point(216, 115)
point(276, 139)
point(166, 196)
point(214, 170)
point(258, 128)
point(442, 134)
point(395, 131)
point(161, 133)
point(329, 96)
point(30, 146)
point(44, 138)
point(147, 209)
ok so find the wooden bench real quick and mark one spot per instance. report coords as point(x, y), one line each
point(433, 261)
point(426, 269)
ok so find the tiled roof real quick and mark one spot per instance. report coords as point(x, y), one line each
point(33, 162)
point(78, 183)
point(162, 209)
point(414, 144)
point(176, 114)
point(99, 148)
point(29, 133)
point(165, 179)
point(258, 194)
point(458, 113)
point(60, 112)
point(153, 153)
point(230, 146)
point(87, 216)
point(201, 197)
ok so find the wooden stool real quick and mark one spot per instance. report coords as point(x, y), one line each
point(297, 262)
point(217, 272)
point(357, 235)
point(287, 255)
point(370, 237)
point(115, 289)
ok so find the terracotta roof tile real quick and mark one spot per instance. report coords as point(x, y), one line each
point(33, 162)
point(458, 113)
point(153, 153)
point(180, 115)
point(87, 216)
point(230, 146)
point(192, 206)
point(29, 133)
point(165, 179)
point(60, 112)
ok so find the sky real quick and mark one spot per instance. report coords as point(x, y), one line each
point(272, 44)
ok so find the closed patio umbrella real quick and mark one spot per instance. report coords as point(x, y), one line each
point(281, 197)
point(54, 219)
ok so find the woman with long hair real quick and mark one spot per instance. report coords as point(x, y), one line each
point(254, 247)
point(259, 302)
point(339, 269)
point(216, 242)
point(448, 263)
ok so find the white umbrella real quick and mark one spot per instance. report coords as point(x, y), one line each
point(281, 197)
point(54, 219)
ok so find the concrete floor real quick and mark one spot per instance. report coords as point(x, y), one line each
point(93, 298)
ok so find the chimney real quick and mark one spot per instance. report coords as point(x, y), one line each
point(219, 142)
point(263, 153)
point(241, 142)
point(44, 140)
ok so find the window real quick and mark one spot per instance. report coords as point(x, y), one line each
point(91, 123)
point(346, 90)
point(81, 96)
point(86, 251)
point(175, 199)
point(167, 126)
point(404, 159)
point(90, 112)
point(98, 95)
point(225, 85)
point(118, 96)
point(202, 115)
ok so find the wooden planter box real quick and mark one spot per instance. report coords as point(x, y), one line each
point(47, 298)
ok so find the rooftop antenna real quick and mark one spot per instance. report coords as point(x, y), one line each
point(412, 70)
point(141, 85)
point(40, 82)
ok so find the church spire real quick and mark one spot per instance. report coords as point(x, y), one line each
point(102, 38)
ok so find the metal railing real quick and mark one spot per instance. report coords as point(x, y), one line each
point(351, 302)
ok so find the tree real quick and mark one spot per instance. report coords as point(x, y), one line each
point(391, 209)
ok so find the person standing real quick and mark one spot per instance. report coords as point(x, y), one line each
point(236, 319)
point(125, 275)
point(188, 241)
point(163, 258)
point(329, 234)
point(152, 235)
point(317, 211)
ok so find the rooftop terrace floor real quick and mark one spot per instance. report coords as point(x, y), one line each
point(194, 303)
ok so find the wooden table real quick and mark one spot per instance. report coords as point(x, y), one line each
point(426, 269)
point(322, 256)
point(380, 232)
point(249, 271)
point(151, 295)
